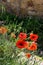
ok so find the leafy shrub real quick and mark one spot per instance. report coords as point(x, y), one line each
point(26, 24)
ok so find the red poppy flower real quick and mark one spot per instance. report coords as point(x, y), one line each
point(32, 47)
point(34, 37)
point(28, 55)
point(23, 35)
point(21, 44)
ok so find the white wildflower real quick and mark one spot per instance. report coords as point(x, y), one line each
point(41, 63)
point(21, 54)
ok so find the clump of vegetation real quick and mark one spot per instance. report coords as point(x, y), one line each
point(26, 24)
point(13, 25)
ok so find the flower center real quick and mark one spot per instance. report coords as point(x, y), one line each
point(33, 37)
point(21, 34)
point(21, 44)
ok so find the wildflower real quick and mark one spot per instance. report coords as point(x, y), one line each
point(41, 63)
point(3, 30)
point(28, 55)
point(32, 47)
point(21, 54)
point(21, 44)
point(33, 37)
point(23, 35)
point(0, 30)
point(28, 44)
point(13, 35)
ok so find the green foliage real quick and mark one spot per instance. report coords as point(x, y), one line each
point(17, 25)
point(26, 24)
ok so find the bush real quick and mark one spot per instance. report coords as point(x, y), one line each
point(26, 24)
point(16, 25)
